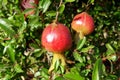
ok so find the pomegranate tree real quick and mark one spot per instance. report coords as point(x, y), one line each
point(56, 38)
point(27, 4)
point(83, 24)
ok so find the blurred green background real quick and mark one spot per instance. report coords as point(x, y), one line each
point(96, 57)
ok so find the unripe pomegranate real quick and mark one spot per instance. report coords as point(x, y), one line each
point(56, 38)
point(26, 4)
point(83, 24)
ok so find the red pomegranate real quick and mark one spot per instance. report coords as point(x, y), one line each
point(56, 38)
point(83, 24)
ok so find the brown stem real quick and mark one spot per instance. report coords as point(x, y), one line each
point(56, 18)
point(57, 13)
point(107, 57)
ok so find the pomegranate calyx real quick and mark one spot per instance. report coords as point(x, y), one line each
point(57, 57)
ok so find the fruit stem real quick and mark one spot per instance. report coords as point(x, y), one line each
point(57, 57)
point(81, 35)
point(57, 13)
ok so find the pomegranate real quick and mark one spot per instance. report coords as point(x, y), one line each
point(56, 38)
point(83, 24)
point(26, 4)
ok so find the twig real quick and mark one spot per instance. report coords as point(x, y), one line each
point(57, 13)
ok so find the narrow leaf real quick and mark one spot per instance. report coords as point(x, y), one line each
point(108, 46)
point(69, 0)
point(57, 64)
point(96, 74)
point(87, 48)
point(51, 13)
point(11, 53)
point(28, 10)
point(61, 8)
point(44, 4)
point(91, 1)
point(6, 26)
point(110, 50)
point(81, 43)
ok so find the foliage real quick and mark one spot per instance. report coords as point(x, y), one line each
point(95, 57)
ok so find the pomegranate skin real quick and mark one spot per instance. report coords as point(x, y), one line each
point(28, 3)
point(83, 23)
point(56, 38)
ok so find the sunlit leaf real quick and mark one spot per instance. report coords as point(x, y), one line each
point(59, 78)
point(77, 57)
point(7, 77)
point(87, 48)
point(44, 73)
point(51, 13)
point(112, 57)
point(91, 1)
point(18, 68)
point(57, 64)
point(62, 68)
point(4, 2)
point(81, 43)
point(110, 49)
point(7, 27)
point(11, 52)
point(61, 8)
point(44, 5)
point(69, 0)
point(73, 75)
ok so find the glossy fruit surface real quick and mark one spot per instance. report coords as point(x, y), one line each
point(56, 38)
point(83, 23)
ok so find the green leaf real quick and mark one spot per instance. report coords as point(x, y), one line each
point(61, 8)
point(110, 50)
point(34, 22)
point(62, 68)
point(91, 1)
point(11, 52)
point(18, 68)
point(111, 77)
point(113, 57)
point(77, 57)
point(28, 10)
point(51, 13)
point(44, 73)
point(97, 70)
point(2, 67)
point(81, 43)
point(7, 77)
point(87, 48)
point(59, 78)
point(44, 5)
point(38, 52)
point(6, 26)
point(4, 2)
point(73, 75)
point(57, 64)
point(69, 0)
